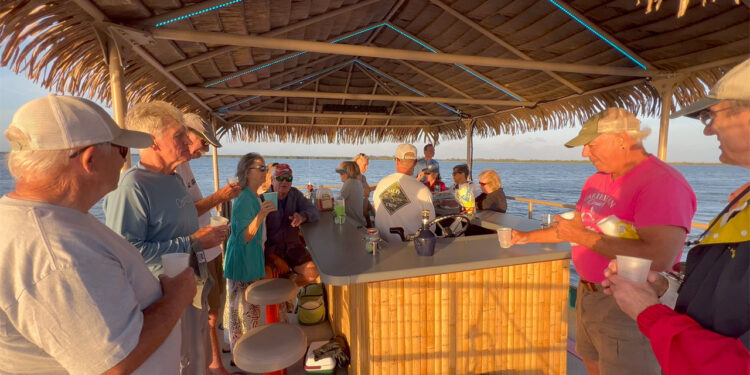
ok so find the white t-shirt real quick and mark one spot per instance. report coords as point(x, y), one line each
point(399, 200)
point(73, 294)
point(186, 173)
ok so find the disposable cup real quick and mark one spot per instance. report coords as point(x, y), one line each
point(633, 268)
point(174, 263)
point(503, 236)
point(547, 220)
point(233, 180)
point(216, 221)
point(568, 215)
point(273, 197)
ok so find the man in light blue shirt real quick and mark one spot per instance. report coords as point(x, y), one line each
point(152, 209)
point(426, 161)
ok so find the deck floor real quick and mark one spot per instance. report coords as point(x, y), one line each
point(323, 332)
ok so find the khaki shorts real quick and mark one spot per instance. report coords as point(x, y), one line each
point(217, 294)
point(605, 334)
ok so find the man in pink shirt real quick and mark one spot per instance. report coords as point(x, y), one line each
point(652, 206)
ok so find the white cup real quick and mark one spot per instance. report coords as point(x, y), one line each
point(503, 236)
point(633, 268)
point(232, 180)
point(216, 221)
point(174, 263)
point(568, 215)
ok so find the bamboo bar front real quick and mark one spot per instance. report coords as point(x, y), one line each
point(497, 320)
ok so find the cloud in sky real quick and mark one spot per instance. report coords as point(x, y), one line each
point(686, 140)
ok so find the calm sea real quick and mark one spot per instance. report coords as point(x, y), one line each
point(555, 182)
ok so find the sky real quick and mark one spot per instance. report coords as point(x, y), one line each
point(686, 140)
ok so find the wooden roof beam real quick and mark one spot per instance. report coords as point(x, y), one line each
point(342, 115)
point(336, 95)
point(391, 53)
point(275, 76)
point(441, 82)
point(346, 89)
point(324, 72)
point(411, 107)
point(501, 42)
point(333, 125)
point(98, 16)
point(267, 64)
point(276, 32)
point(598, 30)
point(496, 85)
point(402, 84)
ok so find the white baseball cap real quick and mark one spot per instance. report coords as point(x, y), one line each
point(196, 123)
point(735, 85)
point(406, 151)
point(64, 122)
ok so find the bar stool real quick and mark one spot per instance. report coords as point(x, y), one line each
point(272, 347)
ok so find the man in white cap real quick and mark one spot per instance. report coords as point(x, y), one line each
point(152, 209)
point(201, 136)
point(399, 198)
point(632, 190)
point(708, 332)
point(77, 298)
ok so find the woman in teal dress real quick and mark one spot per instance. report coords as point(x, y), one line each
point(244, 262)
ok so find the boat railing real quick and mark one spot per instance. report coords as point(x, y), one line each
point(531, 203)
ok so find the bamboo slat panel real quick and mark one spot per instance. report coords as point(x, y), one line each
point(497, 320)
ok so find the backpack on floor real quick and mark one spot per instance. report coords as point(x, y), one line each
point(311, 307)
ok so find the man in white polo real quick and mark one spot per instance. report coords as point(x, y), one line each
point(400, 199)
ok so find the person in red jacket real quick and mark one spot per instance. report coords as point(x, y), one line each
point(708, 332)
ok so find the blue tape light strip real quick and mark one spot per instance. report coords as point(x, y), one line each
point(287, 85)
point(405, 86)
point(633, 59)
point(180, 18)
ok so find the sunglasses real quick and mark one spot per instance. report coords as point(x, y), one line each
point(282, 178)
point(122, 149)
point(261, 168)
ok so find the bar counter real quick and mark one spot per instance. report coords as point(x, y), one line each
point(471, 308)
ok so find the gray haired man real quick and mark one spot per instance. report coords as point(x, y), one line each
point(77, 298)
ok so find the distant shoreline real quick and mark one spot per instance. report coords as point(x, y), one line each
point(456, 160)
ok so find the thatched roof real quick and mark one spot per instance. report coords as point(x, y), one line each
point(510, 65)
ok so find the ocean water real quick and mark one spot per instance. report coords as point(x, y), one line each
point(555, 182)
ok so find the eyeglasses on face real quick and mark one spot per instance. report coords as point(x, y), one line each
point(282, 178)
point(707, 116)
point(122, 149)
point(261, 168)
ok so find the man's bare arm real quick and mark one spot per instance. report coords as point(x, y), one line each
point(159, 319)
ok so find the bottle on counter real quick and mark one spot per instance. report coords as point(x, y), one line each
point(311, 192)
point(425, 240)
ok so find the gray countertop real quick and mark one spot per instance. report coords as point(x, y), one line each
point(338, 251)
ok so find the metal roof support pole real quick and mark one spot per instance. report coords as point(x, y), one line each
point(215, 157)
point(117, 88)
point(665, 87)
point(469, 125)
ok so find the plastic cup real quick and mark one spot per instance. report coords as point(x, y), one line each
point(568, 215)
point(174, 263)
point(633, 268)
point(233, 180)
point(273, 197)
point(547, 220)
point(217, 221)
point(503, 236)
